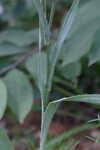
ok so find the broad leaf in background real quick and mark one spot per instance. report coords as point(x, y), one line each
point(82, 33)
point(70, 71)
point(20, 93)
point(3, 98)
point(38, 72)
point(79, 44)
point(63, 35)
point(8, 49)
point(52, 108)
point(87, 12)
point(19, 37)
point(94, 54)
point(5, 144)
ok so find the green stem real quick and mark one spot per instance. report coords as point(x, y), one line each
point(42, 97)
point(52, 14)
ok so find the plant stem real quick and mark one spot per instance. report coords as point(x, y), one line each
point(52, 12)
point(45, 8)
point(40, 48)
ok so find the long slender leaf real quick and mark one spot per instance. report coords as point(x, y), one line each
point(68, 134)
point(52, 107)
point(42, 18)
point(63, 34)
point(67, 24)
point(70, 145)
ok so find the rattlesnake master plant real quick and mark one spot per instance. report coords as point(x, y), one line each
point(49, 110)
point(42, 67)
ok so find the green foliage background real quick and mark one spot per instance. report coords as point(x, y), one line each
point(72, 45)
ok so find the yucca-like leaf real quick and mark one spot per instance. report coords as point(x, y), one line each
point(68, 134)
point(52, 13)
point(70, 145)
point(67, 24)
point(42, 19)
point(53, 106)
point(62, 36)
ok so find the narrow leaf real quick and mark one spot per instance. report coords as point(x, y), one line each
point(68, 134)
point(67, 23)
point(63, 34)
point(42, 18)
point(48, 115)
point(53, 106)
point(70, 145)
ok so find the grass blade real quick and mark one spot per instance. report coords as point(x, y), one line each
point(68, 134)
point(53, 106)
point(42, 18)
point(63, 34)
point(67, 23)
point(70, 145)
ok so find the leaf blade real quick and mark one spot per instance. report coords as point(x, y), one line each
point(3, 98)
point(53, 106)
point(63, 34)
point(20, 93)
